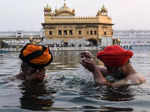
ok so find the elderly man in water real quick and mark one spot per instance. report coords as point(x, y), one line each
point(117, 70)
point(34, 60)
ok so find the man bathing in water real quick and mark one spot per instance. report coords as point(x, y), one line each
point(33, 87)
point(118, 70)
point(34, 60)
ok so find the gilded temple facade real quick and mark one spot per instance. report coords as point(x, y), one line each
point(63, 24)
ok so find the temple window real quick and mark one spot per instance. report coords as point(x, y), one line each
point(59, 32)
point(65, 32)
point(91, 32)
point(105, 33)
point(95, 32)
point(50, 33)
point(80, 32)
point(70, 32)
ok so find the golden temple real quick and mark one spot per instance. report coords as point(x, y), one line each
point(63, 24)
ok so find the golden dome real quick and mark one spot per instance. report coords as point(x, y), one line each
point(103, 9)
point(65, 11)
point(102, 12)
point(47, 8)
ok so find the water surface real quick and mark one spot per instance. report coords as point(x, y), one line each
point(69, 87)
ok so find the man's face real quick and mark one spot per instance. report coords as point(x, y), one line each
point(33, 73)
point(36, 74)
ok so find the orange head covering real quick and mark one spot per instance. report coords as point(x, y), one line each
point(114, 56)
point(36, 55)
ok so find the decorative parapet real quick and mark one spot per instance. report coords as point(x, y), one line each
point(67, 19)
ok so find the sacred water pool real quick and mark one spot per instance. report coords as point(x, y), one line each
point(69, 87)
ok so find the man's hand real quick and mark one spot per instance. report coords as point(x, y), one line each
point(89, 64)
point(86, 54)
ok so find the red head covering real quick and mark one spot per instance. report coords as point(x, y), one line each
point(114, 56)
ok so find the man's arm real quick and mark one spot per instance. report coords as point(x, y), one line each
point(128, 82)
point(90, 65)
point(132, 77)
point(98, 77)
